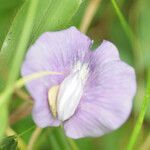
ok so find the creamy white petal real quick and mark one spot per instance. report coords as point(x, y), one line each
point(71, 90)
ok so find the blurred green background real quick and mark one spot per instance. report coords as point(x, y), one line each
point(54, 15)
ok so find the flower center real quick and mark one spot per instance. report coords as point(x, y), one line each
point(71, 90)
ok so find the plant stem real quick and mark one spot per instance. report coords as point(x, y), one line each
point(33, 138)
point(89, 14)
point(123, 22)
point(72, 144)
point(140, 119)
point(136, 47)
point(22, 81)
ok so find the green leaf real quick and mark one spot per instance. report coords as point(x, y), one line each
point(9, 143)
point(54, 15)
point(3, 119)
point(51, 15)
point(7, 4)
point(8, 10)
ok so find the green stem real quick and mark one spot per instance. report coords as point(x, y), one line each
point(53, 141)
point(136, 48)
point(36, 133)
point(139, 68)
point(140, 119)
point(72, 144)
point(21, 82)
point(123, 22)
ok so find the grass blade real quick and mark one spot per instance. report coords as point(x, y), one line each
point(140, 119)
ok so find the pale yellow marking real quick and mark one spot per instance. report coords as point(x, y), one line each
point(52, 98)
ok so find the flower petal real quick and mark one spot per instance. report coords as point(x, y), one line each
point(107, 100)
point(106, 52)
point(53, 51)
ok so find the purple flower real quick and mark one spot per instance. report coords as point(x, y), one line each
point(93, 95)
